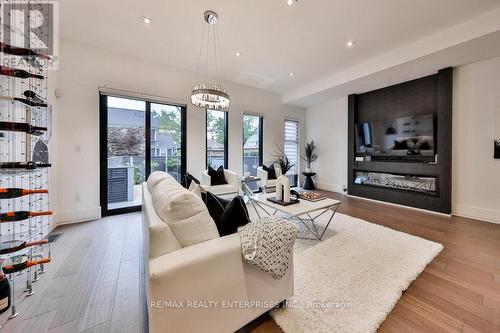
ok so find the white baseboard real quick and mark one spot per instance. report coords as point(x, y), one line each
point(330, 187)
point(73, 216)
point(477, 213)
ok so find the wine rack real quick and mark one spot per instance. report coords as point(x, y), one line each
point(26, 127)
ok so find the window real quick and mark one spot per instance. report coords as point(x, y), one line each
point(292, 148)
point(216, 139)
point(252, 146)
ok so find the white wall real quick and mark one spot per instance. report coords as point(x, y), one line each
point(84, 68)
point(326, 124)
point(476, 175)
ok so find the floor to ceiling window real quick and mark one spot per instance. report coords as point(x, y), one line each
point(252, 146)
point(292, 149)
point(216, 148)
point(137, 137)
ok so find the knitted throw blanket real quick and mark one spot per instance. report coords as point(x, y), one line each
point(267, 244)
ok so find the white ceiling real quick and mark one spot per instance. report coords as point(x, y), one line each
point(274, 39)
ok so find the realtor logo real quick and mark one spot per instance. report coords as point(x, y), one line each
point(29, 34)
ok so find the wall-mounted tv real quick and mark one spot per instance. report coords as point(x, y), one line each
point(409, 139)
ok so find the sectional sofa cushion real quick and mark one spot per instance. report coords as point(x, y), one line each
point(156, 177)
point(161, 238)
point(183, 211)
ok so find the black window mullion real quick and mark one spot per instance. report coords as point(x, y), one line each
point(183, 143)
point(226, 142)
point(261, 140)
point(206, 139)
point(103, 150)
point(147, 134)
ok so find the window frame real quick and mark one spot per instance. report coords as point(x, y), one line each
point(261, 143)
point(226, 135)
point(297, 143)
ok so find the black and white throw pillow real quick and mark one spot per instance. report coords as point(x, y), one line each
point(227, 214)
point(189, 178)
point(217, 176)
point(271, 172)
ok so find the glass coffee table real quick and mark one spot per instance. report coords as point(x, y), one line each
point(304, 211)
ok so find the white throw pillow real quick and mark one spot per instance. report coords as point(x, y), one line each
point(196, 189)
point(185, 213)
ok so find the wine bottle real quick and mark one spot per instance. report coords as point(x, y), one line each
point(21, 215)
point(22, 127)
point(23, 165)
point(21, 51)
point(9, 71)
point(4, 293)
point(33, 96)
point(9, 269)
point(26, 101)
point(16, 245)
point(11, 193)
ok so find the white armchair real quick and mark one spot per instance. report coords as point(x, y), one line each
point(227, 190)
point(266, 184)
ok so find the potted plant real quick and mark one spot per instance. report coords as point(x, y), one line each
point(310, 155)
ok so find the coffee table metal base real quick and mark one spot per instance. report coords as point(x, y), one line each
point(318, 235)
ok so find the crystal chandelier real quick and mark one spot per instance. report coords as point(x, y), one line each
point(210, 95)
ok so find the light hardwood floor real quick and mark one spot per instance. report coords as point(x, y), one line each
point(95, 281)
point(459, 291)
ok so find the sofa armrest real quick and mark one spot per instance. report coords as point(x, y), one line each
point(231, 178)
point(214, 270)
point(206, 179)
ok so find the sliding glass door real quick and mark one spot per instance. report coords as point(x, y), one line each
point(137, 137)
point(167, 140)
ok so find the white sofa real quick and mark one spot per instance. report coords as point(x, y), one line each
point(267, 185)
point(227, 190)
point(212, 271)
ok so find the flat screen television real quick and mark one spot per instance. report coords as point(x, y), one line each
point(406, 139)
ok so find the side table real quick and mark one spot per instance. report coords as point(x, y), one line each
point(308, 183)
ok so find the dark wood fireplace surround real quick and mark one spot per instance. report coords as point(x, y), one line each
point(430, 94)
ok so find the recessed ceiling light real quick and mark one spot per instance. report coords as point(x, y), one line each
point(350, 43)
point(146, 19)
point(291, 2)
point(238, 54)
point(292, 74)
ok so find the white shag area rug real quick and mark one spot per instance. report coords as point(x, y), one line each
point(353, 278)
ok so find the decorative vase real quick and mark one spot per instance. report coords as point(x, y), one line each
point(308, 170)
point(283, 188)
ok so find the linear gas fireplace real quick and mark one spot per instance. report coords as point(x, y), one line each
point(426, 185)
